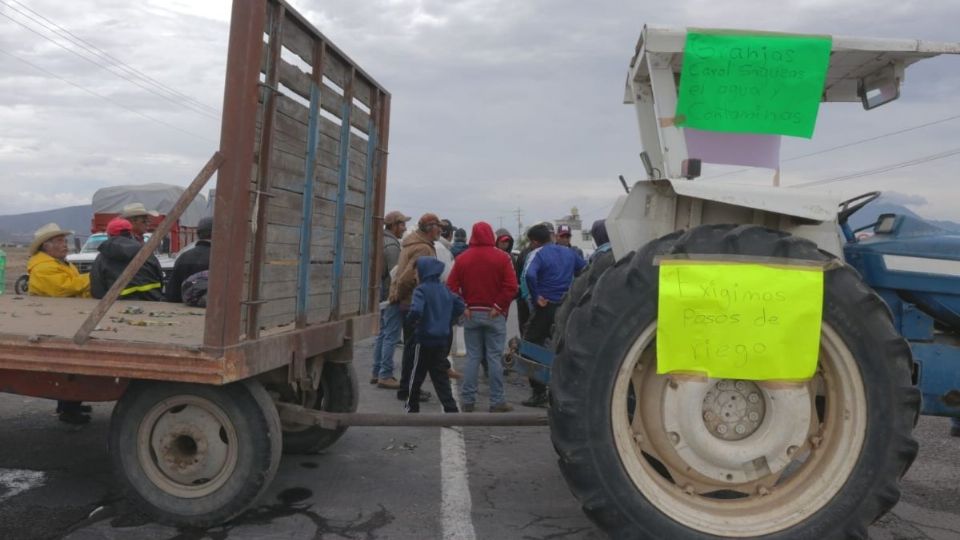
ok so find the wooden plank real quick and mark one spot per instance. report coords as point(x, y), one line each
point(295, 79)
point(336, 69)
point(297, 40)
point(362, 90)
point(354, 198)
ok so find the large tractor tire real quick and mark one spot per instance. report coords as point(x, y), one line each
point(195, 455)
point(583, 283)
point(821, 459)
point(338, 392)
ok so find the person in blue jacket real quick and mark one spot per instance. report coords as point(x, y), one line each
point(433, 311)
point(548, 277)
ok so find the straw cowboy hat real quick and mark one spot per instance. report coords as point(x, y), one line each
point(137, 209)
point(48, 231)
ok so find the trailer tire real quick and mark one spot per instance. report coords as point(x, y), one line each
point(338, 392)
point(195, 455)
point(22, 285)
point(583, 283)
point(630, 475)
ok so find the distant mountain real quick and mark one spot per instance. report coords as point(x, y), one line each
point(19, 228)
point(872, 211)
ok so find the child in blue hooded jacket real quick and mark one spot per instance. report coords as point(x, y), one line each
point(433, 310)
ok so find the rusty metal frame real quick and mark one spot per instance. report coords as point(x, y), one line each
point(237, 138)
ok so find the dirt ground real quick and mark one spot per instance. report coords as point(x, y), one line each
point(16, 266)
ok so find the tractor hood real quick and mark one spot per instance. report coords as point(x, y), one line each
point(806, 204)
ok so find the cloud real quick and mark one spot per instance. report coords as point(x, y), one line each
point(896, 197)
point(497, 105)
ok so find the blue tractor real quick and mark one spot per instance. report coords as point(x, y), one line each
point(915, 267)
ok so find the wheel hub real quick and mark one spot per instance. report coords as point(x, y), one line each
point(733, 432)
point(187, 446)
point(733, 410)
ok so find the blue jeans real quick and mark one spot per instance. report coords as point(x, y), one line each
point(391, 321)
point(483, 335)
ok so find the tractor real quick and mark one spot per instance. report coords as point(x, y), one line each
point(644, 451)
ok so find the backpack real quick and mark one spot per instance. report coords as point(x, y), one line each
point(194, 290)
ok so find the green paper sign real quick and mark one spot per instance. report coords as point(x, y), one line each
point(752, 83)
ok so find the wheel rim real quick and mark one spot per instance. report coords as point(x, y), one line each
point(187, 446)
point(732, 468)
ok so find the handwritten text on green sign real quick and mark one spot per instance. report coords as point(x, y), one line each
point(752, 83)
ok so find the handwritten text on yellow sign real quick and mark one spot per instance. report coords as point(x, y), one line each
point(739, 320)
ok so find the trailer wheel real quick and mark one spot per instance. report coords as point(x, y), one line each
point(338, 392)
point(195, 455)
point(22, 285)
point(583, 283)
point(821, 459)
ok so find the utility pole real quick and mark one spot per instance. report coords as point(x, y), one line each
point(519, 214)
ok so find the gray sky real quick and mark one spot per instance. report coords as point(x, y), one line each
point(497, 105)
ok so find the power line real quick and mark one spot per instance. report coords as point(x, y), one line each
point(882, 169)
point(100, 65)
point(851, 143)
point(106, 98)
point(114, 60)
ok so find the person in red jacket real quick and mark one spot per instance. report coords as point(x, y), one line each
point(484, 277)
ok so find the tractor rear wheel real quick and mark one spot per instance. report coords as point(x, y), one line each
point(820, 459)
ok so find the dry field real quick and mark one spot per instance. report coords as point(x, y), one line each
point(16, 265)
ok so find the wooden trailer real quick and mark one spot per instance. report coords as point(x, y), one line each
point(294, 281)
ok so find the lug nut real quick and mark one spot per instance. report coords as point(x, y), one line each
point(722, 429)
point(753, 398)
point(740, 429)
point(674, 437)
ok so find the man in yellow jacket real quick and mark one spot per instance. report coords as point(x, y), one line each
point(51, 275)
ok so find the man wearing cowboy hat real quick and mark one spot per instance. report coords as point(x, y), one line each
point(139, 217)
point(51, 275)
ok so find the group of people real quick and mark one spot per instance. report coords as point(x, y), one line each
point(50, 274)
point(434, 279)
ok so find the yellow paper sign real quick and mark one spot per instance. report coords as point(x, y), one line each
point(739, 320)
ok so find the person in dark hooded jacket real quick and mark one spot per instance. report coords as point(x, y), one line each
point(459, 242)
point(191, 261)
point(433, 310)
point(600, 237)
point(115, 254)
point(505, 243)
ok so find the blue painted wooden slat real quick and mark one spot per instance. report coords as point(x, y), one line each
point(368, 217)
point(341, 202)
point(306, 223)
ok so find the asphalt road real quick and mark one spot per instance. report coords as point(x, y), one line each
point(376, 483)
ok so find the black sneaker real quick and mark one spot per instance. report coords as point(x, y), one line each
point(537, 400)
point(75, 417)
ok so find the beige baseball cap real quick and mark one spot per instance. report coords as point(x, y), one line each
point(395, 217)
